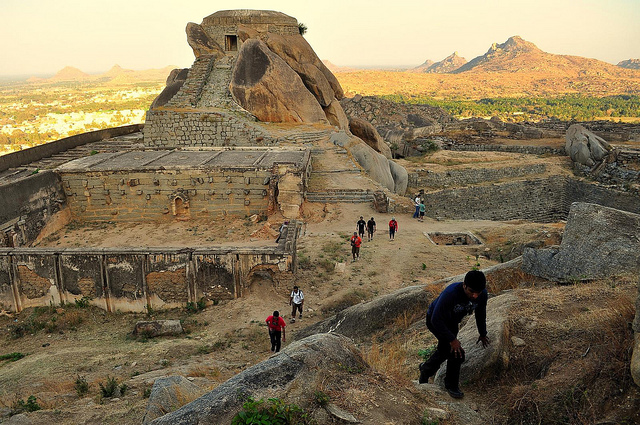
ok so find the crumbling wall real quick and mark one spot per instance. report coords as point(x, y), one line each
point(28, 204)
point(138, 279)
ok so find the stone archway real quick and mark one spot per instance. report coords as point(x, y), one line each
point(179, 207)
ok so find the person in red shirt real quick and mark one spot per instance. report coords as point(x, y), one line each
point(356, 241)
point(276, 326)
point(393, 228)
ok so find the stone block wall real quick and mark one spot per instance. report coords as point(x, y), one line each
point(172, 129)
point(425, 179)
point(154, 195)
point(28, 205)
point(532, 150)
point(541, 200)
point(118, 279)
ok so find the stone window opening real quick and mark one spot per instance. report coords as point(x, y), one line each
point(231, 43)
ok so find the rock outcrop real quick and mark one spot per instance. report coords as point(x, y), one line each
point(584, 147)
point(299, 364)
point(201, 43)
point(175, 81)
point(635, 359)
point(447, 65)
point(598, 242)
point(154, 328)
point(167, 394)
point(265, 85)
point(368, 133)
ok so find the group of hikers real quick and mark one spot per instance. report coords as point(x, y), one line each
point(443, 316)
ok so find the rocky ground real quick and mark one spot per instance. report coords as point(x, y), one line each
point(580, 346)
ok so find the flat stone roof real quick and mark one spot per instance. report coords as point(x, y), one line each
point(246, 158)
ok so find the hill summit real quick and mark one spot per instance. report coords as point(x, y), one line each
point(69, 73)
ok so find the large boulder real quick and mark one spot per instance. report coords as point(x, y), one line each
point(297, 52)
point(155, 328)
point(368, 133)
point(598, 242)
point(400, 177)
point(336, 116)
point(201, 43)
point(362, 320)
point(175, 81)
point(584, 147)
point(168, 394)
point(293, 369)
point(266, 86)
point(481, 362)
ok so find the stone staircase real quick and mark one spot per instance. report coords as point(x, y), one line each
point(341, 195)
point(305, 136)
point(215, 93)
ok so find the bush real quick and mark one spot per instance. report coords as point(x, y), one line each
point(272, 412)
point(12, 357)
point(20, 406)
point(81, 386)
point(109, 389)
point(322, 399)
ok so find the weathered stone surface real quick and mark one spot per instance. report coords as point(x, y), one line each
point(336, 116)
point(584, 147)
point(364, 130)
point(341, 415)
point(635, 359)
point(175, 81)
point(375, 164)
point(400, 177)
point(297, 52)
point(597, 242)
point(154, 328)
point(168, 394)
point(266, 86)
point(295, 367)
point(483, 362)
point(201, 43)
point(362, 320)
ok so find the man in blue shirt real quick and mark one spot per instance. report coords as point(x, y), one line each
point(443, 317)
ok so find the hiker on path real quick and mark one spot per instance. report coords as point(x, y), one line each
point(360, 225)
point(356, 241)
point(443, 317)
point(393, 228)
point(371, 228)
point(423, 209)
point(416, 203)
point(296, 300)
point(276, 326)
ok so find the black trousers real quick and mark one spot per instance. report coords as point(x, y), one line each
point(443, 353)
point(275, 340)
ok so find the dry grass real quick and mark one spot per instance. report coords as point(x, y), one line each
point(388, 358)
point(574, 365)
point(201, 371)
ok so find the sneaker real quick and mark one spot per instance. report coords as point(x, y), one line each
point(300, 317)
point(293, 320)
point(455, 392)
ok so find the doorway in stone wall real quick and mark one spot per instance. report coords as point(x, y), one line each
point(180, 205)
point(231, 43)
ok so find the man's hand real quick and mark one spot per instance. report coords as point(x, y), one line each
point(456, 348)
point(485, 341)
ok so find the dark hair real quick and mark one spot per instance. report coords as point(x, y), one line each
point(276, 313)
point(475, 280)
point(295, 287)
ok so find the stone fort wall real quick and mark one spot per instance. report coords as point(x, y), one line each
point(118, 279)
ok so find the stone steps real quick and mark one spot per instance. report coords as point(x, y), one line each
point(311, 136)
point(341, 195)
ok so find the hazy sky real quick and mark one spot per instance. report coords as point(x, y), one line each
point(43, 36)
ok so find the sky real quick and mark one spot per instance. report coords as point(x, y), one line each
point(40, 37)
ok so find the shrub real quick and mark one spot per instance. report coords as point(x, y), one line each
point(12, 357)
point(322, 399)
point(81, 386)
point(272, 412)
point(20, 406)
point(109, 389)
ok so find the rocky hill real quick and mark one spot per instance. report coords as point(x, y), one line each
point(446, 65)
point(630, 64)
point(423, 67)
point(69, 73)
point(116, 75)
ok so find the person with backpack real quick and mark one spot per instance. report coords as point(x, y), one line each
point(296, 300)
point(443, 318)
point(356, 241)
point(276, 326)
point(371, 228)
point(393, 228)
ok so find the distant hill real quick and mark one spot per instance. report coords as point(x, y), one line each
point(423, 67)
point(448, 64)
point(519, 55)
point(335, 68)
point(630, 64)
point(69, 73)
point(116, 75)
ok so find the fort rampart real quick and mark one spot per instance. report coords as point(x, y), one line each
point(127, 279)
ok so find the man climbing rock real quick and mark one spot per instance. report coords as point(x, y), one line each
point(443, 317)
